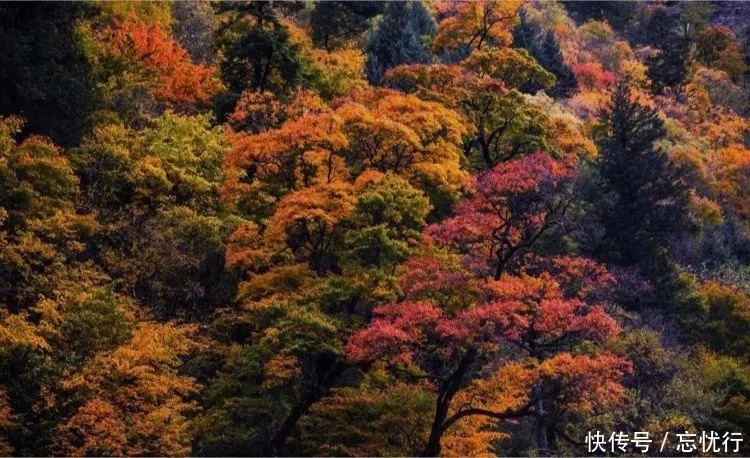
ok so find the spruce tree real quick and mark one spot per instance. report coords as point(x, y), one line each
point(669, 66)
point(551, 58)
point(193, 28)
point(333, 23)
point(525, 32)
point(643, 202)
point(399, 39)
point(547, 53)
point(257, 52)
point(44, 74)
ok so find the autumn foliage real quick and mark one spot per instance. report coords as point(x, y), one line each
point(437, 326)
point(423, 228)
point(178, 83)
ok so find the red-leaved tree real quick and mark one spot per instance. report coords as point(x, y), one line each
point(501, 346)
point(513, 204)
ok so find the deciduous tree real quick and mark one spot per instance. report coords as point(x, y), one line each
point(513, 205)
point(717, 47)
point(422, 339)
point(466, 26)
point(503, 125)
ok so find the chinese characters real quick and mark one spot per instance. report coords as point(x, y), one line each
point(640, 441)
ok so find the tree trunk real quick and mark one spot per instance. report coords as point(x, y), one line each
point(436, 433)
point(279, 439)
point(541, 431)
point(327, 379)
point(447, 391)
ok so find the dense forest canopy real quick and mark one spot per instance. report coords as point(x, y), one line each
point(372, 228)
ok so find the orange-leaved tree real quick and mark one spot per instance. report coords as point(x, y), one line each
point(503, 125)
point(475, 24)
point(377, 129)
point(175, 81)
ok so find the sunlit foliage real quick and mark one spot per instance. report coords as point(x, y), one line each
point(437, 228)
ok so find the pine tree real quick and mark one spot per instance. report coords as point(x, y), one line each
point(669, 66)
point(551, 58)
point(399, 38)
point(335, 22)
point(619, 15)
point(643, 200)
point(547, 53)
point(260, 56)
point(44, 76)
point(525, 32)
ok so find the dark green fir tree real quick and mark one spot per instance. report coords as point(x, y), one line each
point(547, 52)
point(643, 201)
point(333, 23)
point(399, 38)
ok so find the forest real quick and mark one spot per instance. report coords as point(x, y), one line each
point(415, 228)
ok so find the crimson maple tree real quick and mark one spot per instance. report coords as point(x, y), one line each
point(462, 314)
point(513, 205)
